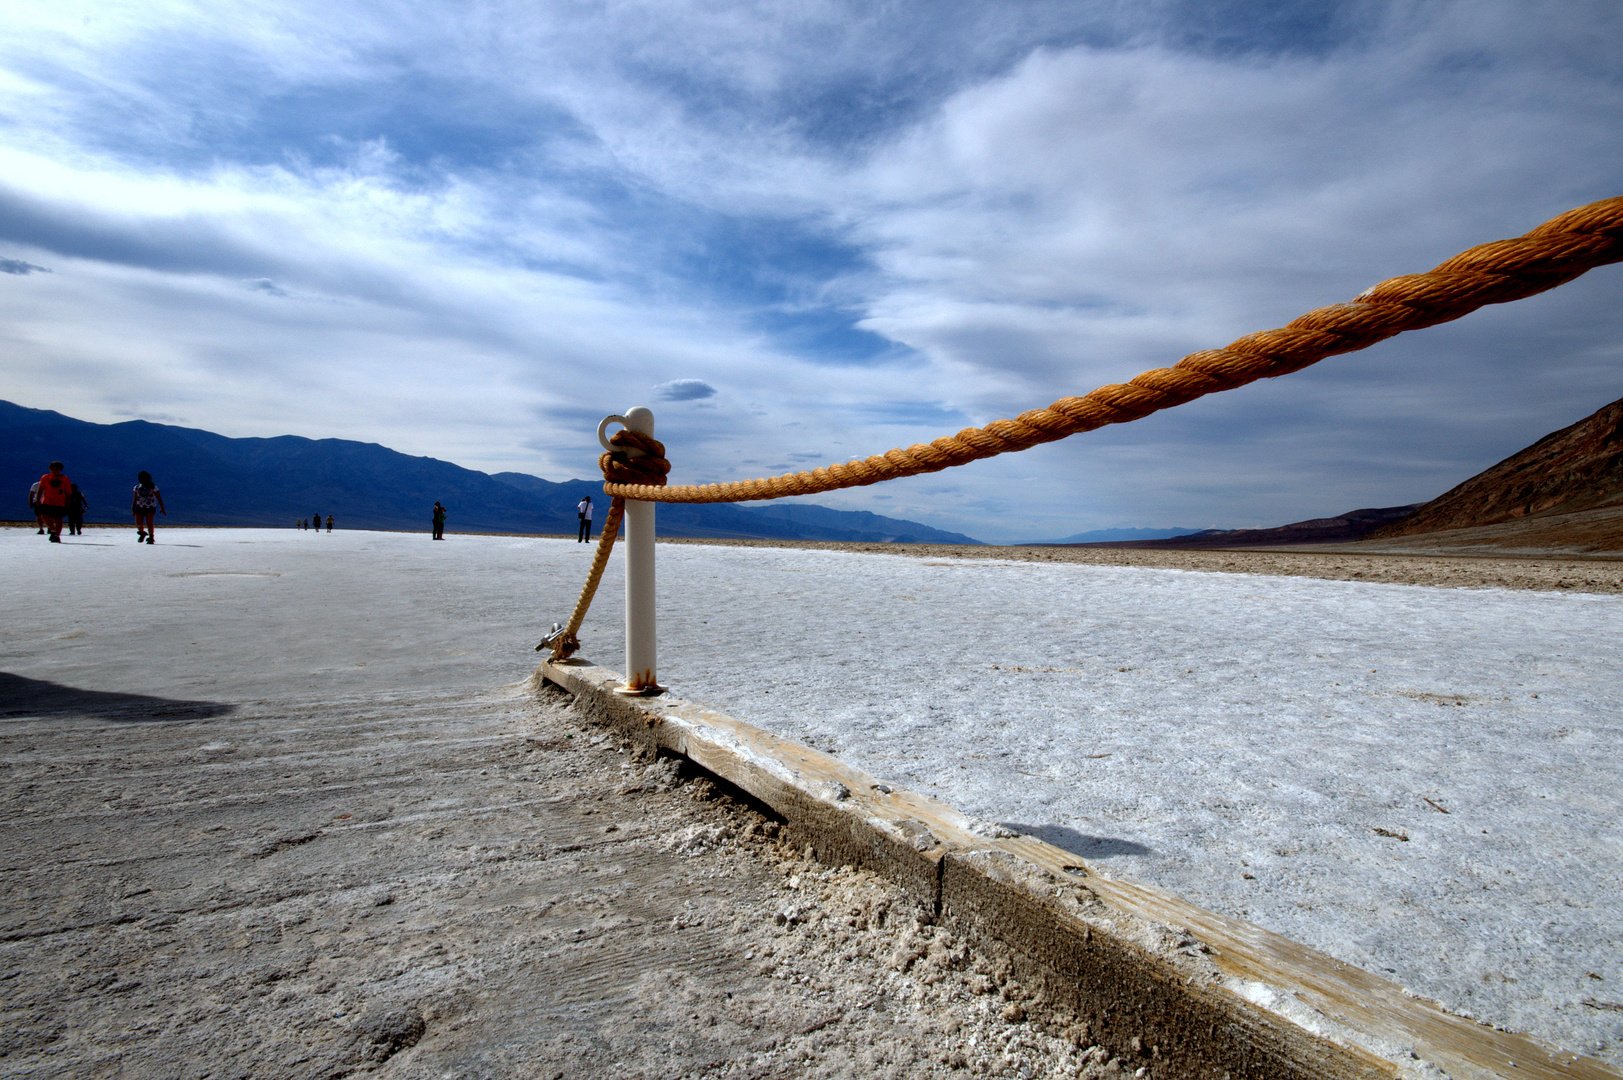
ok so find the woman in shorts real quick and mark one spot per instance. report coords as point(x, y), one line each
point(147, 499)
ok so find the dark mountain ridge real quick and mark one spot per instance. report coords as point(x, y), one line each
point(1573, 473)
point(1343, 528)
point(210, 479)
point(1564, 492)
point(1101, 536)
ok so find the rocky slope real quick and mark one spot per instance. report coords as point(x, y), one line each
point(1566, 490)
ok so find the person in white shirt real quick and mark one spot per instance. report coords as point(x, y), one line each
point(583, 510)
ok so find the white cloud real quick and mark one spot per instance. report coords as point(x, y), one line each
point(684, 390)
point(583, 204)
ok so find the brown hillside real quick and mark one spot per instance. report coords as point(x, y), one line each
point(1569, 475)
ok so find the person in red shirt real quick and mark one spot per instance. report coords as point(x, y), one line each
point(54, 489)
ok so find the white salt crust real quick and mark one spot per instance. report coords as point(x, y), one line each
point(1279, 749)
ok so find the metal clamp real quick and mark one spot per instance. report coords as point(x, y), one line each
point(553, 635)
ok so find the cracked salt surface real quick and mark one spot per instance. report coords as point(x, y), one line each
point(1422, 782)
point(1281, 749)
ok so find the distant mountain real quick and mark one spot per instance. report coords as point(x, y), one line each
point(209, 479)
point(1344, 528)
point(526, 482)
point(776, 520)
point(810, 522)
point(1567, 488)
point(1563, 493)
point(1101, 536)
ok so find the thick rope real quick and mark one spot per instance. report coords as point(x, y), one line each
point(564, 640)
point(649, 469)
point(1552, 254)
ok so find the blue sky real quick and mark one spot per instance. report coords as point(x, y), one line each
point(808, 231)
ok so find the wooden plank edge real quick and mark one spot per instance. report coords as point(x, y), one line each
point(1191, 992)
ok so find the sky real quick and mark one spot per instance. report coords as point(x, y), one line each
point(809, 231)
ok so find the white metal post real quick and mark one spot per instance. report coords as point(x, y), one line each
point(641, 653)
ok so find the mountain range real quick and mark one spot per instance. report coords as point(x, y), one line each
point(1104, 536)
point(210, 479)
point(1565, 491)
point(1343, 528)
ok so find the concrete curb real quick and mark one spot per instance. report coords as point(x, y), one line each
point(1190, 992)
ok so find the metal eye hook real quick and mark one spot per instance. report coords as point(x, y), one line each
point(602, 429)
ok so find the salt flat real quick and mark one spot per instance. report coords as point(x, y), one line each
point(281, 808)
point(1418, 781)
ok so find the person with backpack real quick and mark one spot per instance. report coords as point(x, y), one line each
point(77, 505)
point(147, 498)
point(583, 510)
point(52, 503)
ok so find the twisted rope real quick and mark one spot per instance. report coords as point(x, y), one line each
point(647, 470)
point(1554, 253)
point(564, 639)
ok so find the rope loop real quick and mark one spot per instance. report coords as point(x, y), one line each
point(648, 469)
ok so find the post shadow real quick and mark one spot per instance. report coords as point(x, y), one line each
point(1079, 843)
point(21, 696)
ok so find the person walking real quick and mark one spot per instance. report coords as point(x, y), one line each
point(33, 508)
point(315, 523)
point(54, 489)
point(329, 523)
point(439, 521)
point(77, 505)
point(583, 509)
point(146, 499)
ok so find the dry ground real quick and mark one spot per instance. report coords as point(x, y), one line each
point(452, 885)
point(1401, 562)
point(1569, 573)
point(281, 819)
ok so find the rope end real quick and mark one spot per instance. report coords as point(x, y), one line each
point(562, 643)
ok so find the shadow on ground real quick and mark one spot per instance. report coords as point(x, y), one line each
point(1077, 843)
point(21, 696)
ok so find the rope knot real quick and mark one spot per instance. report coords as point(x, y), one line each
point(619, 467)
